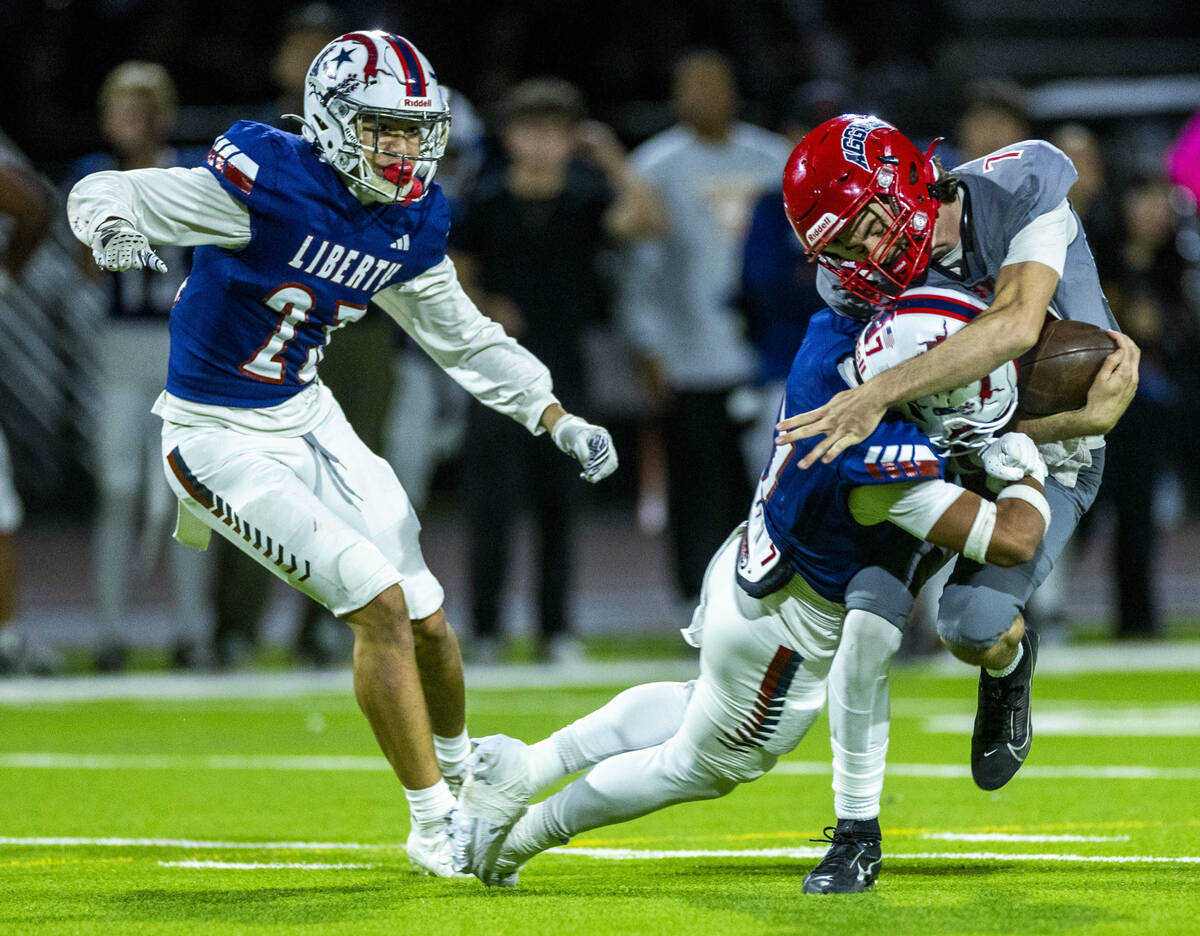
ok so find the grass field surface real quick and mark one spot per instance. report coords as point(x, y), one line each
point(255, 811)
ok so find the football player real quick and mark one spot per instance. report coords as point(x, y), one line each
point(878, 215)
point(294, 235)
point(771, 609)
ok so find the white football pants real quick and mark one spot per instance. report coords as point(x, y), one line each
point(763, 665)
point(321, 511)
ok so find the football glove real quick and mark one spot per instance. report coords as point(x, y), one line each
point(590, 445)
point(118, 246)
point(1011, 457)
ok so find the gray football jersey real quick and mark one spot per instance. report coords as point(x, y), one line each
point(1002, 193)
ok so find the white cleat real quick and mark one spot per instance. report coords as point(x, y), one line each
point(430, 851)
point(494, 796)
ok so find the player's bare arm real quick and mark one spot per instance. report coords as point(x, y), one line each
point(636, 211)
point(1008, 328)
point(1018, 529)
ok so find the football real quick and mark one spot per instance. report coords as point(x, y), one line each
point(1055, 374)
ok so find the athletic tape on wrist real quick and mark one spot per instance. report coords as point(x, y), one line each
point(1031, 496)
point(980, 536)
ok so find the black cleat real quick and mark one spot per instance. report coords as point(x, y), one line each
point(852, 863)
point(1003, 728)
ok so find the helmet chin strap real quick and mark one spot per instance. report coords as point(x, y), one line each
point(401, 174)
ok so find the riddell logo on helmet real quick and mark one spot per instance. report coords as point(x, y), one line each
point(418, 102)
point(814, 234)
point(854, 139)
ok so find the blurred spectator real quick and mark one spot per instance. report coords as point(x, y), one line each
point(526, 247)
point(1183, 159)
point(778, 288)
point(26, 205)
point(137, 104)
point(1183, 167)
point(995, 114)
point(1091, 195)
point(679, 311)
point(1146, 296)
point(429, 413)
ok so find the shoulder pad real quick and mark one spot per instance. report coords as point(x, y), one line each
point(1037, 174)
point(238, 156)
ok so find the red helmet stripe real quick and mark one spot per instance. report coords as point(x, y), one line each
point(372, 66)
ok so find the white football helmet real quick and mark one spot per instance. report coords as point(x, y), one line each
point(960, 421)
point(363, 77)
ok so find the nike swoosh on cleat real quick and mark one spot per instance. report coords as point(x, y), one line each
point(989, 753)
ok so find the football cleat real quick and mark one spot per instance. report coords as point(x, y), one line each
point(852, 863)
point(495, 794)
point(429, 851)
point(1003, 728)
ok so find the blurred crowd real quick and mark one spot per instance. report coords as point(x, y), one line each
point(644, 258)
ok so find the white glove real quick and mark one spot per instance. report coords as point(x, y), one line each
point(118, 246)
point(1011, 457)
point(590, 445)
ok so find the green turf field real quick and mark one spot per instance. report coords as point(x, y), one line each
point(234, 815)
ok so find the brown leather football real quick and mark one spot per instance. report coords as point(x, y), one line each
point(1055, 374)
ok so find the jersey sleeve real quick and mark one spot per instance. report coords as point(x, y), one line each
point(183, 207)
point(1038, 174)
point(434, 311)
point(242, 159)
point(896, 451)
point(1045, 239)
point(914, 506)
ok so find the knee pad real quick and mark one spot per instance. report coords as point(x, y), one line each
point(869, 642)
point(975, 616)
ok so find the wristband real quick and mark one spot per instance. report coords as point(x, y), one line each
point(1031, 496)
point(980, 536)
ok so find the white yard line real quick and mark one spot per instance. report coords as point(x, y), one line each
point(56, 761)
point(1005, 837)
point(259, 865)
point(116, 842)
point(1178, 721)
point(1103, 658)
point(630, 854)
point(46, 760)
point(1029, 771)
point(606, 854)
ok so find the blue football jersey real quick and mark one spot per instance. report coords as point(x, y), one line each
point(807, 513)
point(250, 325)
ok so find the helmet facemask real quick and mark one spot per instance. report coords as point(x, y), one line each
point(363, 93)
point(406, 179)
point(853, 168)
point(900, 255)
point(965, 420)
point(961, 421)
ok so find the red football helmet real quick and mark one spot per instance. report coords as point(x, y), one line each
point(837, 171)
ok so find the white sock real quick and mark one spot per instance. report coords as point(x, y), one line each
point(451, 752)
point(857, 782)
point(997, 674)
point(860, 713)
point(530, 836)
point(429, 806)
point(545, 763)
